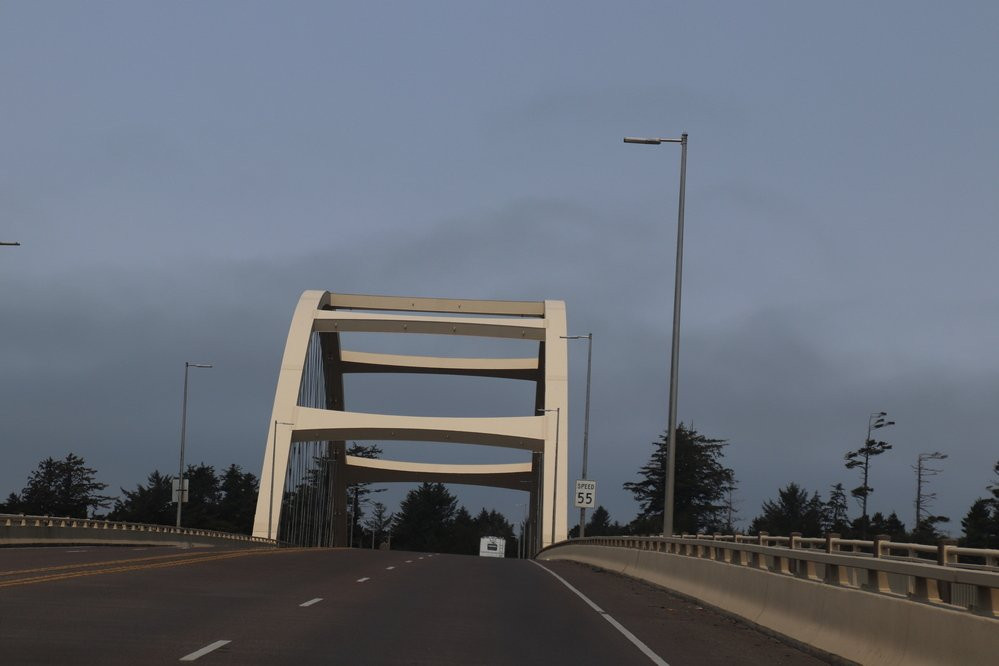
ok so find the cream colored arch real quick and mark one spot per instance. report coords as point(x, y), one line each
point(545, 434)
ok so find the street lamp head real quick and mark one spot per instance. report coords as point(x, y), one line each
point(635, 139)
point(198, 365)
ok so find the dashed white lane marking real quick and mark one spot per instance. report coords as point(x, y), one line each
point(389, 568)
point(205, 650)
point(409, 561)
point(310, 602)
point(76, 551)
point(646, 650)
point(361, 580)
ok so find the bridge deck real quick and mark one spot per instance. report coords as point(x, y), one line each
point(157, 605)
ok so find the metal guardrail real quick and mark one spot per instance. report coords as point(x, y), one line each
point(18, 521)
point(848, 563)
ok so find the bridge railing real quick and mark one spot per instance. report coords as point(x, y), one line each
point(945, 553)
point(958, 578)
point(55, 528)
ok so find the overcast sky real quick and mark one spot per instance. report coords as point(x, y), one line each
point(178, 173)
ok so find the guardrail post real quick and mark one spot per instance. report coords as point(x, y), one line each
point(986, 600)
point(835, 573)
point(877, 580)
point(946, 556)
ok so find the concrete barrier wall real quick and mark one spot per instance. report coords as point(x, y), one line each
point(860, 626)
point(51, 535)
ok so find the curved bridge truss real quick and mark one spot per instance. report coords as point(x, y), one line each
point(306, 467)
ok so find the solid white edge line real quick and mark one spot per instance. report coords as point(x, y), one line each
point(646, 650)
point(205, 650)
point(361, 580)
point(310, 602)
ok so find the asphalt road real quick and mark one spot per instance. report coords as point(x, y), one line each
point(130, 606)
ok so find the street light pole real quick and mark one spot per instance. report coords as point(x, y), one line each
point(586, 419)
point(183, 436)
point(675, 347)
point(270, 507)
point(558, 416)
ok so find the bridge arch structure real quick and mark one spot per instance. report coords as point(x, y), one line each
point(306, 468)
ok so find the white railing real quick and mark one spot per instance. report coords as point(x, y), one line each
point(22, 521)
point(946, 574)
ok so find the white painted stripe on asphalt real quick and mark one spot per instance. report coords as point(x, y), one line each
point(646, 650)
point(76, 551)
point(409, 561)
point(361, 580)
point(419, 558)
point(310, 602)
point(389, 568)
point(205, 650)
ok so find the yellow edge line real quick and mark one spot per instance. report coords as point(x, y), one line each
point(142, 567)
point(62, 567)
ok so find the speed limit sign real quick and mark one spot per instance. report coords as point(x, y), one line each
point(586, 494)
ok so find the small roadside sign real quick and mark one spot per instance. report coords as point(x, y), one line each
point(492, 547)
point(182, 492)
point(586, 494)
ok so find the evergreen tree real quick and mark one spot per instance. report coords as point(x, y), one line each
point(379, 523)
point(64, 487)
point(204, 492)
point(981, 525)
point(425, 518)
point(12, 504)
point(837, 512)
point(151, 503)
point(701, 480)
point(793, 511)
point(926, 531)
point(463, 538)
point(238, 504)
point(600, 524)
point(862, 458)
point(879, 524)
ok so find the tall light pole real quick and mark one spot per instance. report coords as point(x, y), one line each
point(675, 352)
point(586, 419)
point(270, 507)
point(183, 436)
point(558, 416)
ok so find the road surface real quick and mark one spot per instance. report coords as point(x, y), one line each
point(90, 605)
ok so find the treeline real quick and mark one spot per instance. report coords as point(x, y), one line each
point(429, 519)
point(223, 501)
point(704, 489)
